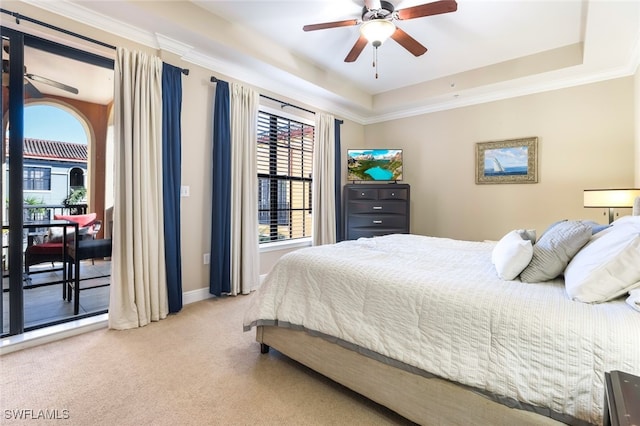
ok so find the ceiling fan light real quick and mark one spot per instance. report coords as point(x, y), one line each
point(377, 31)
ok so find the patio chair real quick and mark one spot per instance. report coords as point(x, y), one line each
point(86, 249)
point(52, 250)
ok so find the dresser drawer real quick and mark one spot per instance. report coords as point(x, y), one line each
point(355, 233)
point(378, 221)
point(362, 194)
point(377, 207)
point(392, 194)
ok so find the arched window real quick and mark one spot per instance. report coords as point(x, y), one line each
point(76, 178)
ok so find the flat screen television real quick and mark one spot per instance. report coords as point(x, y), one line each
point(374, 165)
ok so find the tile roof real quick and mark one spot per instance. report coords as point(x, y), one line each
point(54, 150)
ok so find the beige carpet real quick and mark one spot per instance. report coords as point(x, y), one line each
point(195, 368)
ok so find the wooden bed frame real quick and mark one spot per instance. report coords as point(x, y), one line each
point(420, 399)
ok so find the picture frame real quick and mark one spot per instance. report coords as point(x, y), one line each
point(507, 161)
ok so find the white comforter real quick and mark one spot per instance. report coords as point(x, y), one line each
point(437, 304)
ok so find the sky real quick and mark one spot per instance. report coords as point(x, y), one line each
point(51, 123)
point(508, 157)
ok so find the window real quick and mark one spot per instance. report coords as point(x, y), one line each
point(76, 178)
point(37, 179)
point(285, 161)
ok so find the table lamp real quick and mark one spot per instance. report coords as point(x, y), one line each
point(610, 198)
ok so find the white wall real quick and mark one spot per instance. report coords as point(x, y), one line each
point(586, 140)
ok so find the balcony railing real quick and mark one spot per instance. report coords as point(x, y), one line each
point(37, 212)
point(47, 211)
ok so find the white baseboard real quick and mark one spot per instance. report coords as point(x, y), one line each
point(203, 293)
point(50, 334)
point(196, 295)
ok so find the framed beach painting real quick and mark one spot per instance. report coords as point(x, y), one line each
point(509, 161)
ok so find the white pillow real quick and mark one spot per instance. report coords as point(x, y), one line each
point(55, 234)
point(511, 255)
point(608, 266)
point(627, 221)
point(634, 298)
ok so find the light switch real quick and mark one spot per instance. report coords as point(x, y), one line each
point(184, 191)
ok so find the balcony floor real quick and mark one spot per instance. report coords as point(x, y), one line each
point(44, 305)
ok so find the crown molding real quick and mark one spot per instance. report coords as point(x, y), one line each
point(281, 87)
point(97, 20)
point(174, 46)
point(492, 94)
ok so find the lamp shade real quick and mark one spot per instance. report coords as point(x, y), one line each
point(612, 198)
point(377, 31)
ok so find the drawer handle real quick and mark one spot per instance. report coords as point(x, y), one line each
point(377, 207)
point(377, 221)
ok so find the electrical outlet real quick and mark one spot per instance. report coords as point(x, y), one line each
point(205, 258)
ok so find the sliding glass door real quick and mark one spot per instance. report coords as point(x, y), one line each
point(53, 172)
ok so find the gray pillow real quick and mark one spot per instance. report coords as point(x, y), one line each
point(552, 225)
point(595, 226)
point(555, 248)
point(528, 234)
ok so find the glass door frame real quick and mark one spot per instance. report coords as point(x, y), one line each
point(15, 120)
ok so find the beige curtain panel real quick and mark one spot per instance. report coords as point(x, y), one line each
point(323, 198)
point(245, 271)
point(138, 292)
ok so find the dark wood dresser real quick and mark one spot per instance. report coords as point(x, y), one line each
point(376, 209)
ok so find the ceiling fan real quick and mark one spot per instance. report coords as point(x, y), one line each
point(377, 24)
point(30, 89)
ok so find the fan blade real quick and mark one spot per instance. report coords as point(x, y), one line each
point(324, 26)
point(435, 8)
point(408, 42)
point(31, 90)
point(52, 83)
point(356, 49)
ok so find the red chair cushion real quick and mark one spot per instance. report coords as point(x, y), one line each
point(45, 248)
point(81, 219)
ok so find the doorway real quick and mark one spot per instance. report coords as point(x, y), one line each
point(59, 172)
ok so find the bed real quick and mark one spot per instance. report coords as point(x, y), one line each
point(426, 327)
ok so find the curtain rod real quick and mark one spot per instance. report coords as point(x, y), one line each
point(18, 17)
point(53, 27)
point(283, 104)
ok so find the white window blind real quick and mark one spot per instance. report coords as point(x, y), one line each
point(285, 161)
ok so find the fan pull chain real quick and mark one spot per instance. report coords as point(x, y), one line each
point(375, 60)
